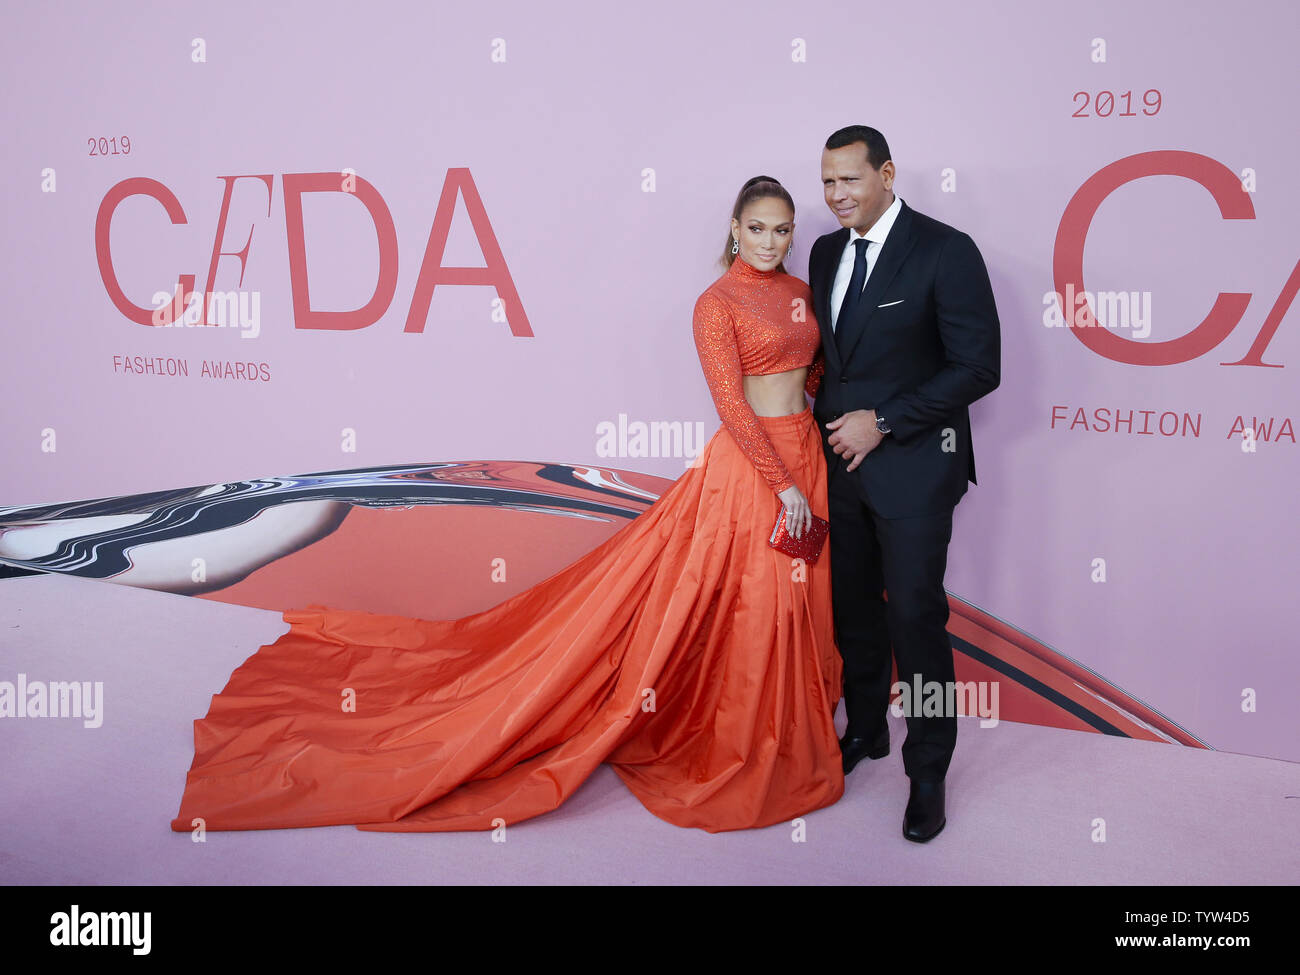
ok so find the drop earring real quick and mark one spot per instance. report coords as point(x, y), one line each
point(735, 246)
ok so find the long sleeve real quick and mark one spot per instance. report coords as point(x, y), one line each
point(815, 373)
point(969, 330)
point(715, 340)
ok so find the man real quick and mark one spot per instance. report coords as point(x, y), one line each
point(910, 333)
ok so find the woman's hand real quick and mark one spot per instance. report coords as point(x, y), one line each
point(798, 517)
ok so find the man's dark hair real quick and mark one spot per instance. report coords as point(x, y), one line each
point(877, 147)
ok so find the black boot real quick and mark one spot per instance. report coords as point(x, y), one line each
point(855, 750)
point(925, 815)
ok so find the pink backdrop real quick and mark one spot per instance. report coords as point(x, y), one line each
point(606, 145)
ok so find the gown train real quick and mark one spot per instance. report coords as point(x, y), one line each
point(696, 660)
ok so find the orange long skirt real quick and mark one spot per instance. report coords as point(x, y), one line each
point(696, 660)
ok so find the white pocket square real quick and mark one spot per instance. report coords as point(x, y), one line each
point(890, 304)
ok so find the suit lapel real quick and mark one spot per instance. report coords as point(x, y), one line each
point(821, 289)
point(897, 246)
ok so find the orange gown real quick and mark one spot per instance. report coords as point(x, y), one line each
point(684, 651)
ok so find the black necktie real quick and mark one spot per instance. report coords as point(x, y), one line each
point(854, 294)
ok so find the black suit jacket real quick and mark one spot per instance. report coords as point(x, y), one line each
point(923, 346)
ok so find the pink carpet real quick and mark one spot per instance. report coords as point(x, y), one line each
point(92, 805)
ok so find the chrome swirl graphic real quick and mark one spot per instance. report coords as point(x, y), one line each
point(95, 538)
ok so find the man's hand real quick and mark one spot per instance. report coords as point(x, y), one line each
point(855, 436)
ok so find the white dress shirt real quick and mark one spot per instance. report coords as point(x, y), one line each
point(875, 236)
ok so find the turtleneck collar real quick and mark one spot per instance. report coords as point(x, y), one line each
point(743, 269)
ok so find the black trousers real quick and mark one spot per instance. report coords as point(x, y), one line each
point(905, 558)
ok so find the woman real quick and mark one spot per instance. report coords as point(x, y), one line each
point(684, 651)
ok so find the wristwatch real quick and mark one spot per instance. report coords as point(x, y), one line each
point(881, 425)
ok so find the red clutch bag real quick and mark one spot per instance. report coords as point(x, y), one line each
point(807, 547)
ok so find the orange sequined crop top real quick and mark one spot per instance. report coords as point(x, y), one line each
point(755, 323)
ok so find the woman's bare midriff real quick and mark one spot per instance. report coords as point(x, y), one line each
point(780, 394)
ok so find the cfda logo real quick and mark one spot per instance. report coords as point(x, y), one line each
point(1232, 195)
point(182, 299)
